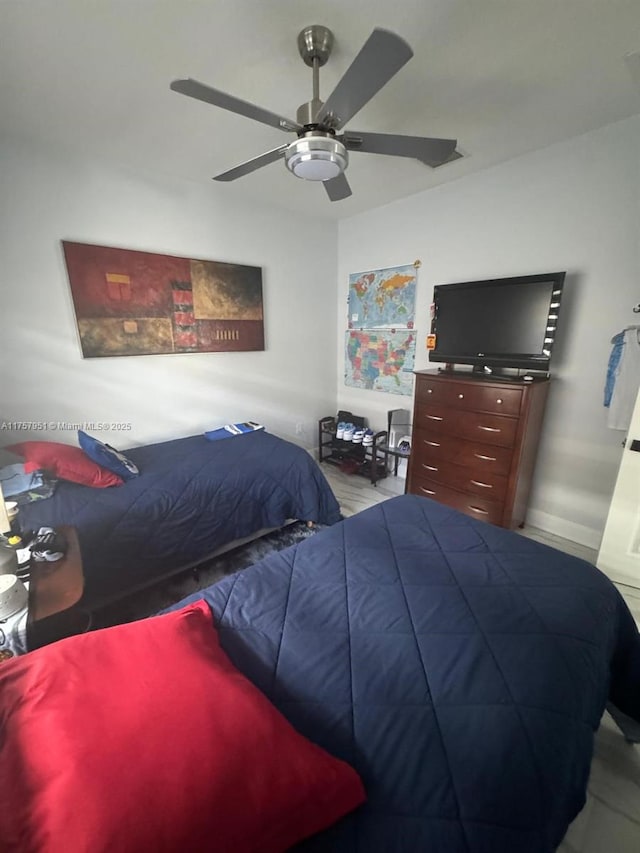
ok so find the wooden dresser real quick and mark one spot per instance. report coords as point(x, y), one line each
point(474, 443)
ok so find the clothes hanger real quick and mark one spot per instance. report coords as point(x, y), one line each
point(633, 326)
point(636, 310)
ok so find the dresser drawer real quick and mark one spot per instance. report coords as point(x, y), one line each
point(473, 505)
point(470, 396)
point(491, 486)
point(432, 391)
point(499, 401)
point(434, 447)
point(472, 426)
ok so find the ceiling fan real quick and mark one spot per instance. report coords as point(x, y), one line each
point(318, 154)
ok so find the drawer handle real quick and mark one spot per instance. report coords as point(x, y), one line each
point(478, 483)
point(435, 418)
point(499, 401)
point(431, 443)
point(460, 396)
point(427, 491)
point(429, 467)
point(429, 390)
point(488, 429)
point(477, 509)
point(486, 458)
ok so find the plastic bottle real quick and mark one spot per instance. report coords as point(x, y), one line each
point(8, 560)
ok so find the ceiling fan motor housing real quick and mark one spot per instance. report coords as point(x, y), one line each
point(315, 42)
point(316, 156)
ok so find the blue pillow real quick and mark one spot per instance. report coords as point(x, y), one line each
point(107, 456)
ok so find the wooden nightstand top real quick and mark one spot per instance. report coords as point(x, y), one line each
point(54, 587)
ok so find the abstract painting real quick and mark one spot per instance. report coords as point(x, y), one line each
point(141, 303)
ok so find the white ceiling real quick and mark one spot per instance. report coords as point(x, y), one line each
point(503, 77)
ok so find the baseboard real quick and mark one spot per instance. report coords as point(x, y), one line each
point(618, 577)
point(579, 533)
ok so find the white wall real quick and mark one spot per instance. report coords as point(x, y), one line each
point(47, 197)
point(574, 206)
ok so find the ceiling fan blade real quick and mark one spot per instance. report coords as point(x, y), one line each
point(430, 151)
point(201, 92)
point(455, 155)
point(382, 56)
point(337, 188)
point(251, 165)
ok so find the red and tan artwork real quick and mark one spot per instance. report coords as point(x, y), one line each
point(140, 303)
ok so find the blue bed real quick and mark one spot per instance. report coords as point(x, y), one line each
point(462, 669)
point(193, 498)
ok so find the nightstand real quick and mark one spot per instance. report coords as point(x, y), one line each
point(54, 592)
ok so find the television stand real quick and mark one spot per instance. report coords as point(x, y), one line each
point(497, 374)
point(489, 372)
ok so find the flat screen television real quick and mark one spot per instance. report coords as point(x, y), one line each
point(497, 324)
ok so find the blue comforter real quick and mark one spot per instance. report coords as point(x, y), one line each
point(461, 668)
point(193, 496)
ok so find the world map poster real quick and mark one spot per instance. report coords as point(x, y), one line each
point(383, 299)
point(380, 360)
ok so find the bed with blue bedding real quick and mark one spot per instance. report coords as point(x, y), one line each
point(462, 669)
point(192, 499)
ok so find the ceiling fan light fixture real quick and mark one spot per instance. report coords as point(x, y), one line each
point(316, 158)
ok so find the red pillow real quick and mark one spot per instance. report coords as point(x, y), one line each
point(65, 462)
point(145, 737)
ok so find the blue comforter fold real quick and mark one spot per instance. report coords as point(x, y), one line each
point(192, 497)
point(462, 669)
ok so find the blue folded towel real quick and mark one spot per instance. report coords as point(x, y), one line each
point(230, 430)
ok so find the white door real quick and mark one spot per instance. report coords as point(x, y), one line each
point(619, 555)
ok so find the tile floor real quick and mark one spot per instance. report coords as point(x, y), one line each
point(610, 820)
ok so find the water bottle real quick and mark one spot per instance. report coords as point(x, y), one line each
point(8, 560)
